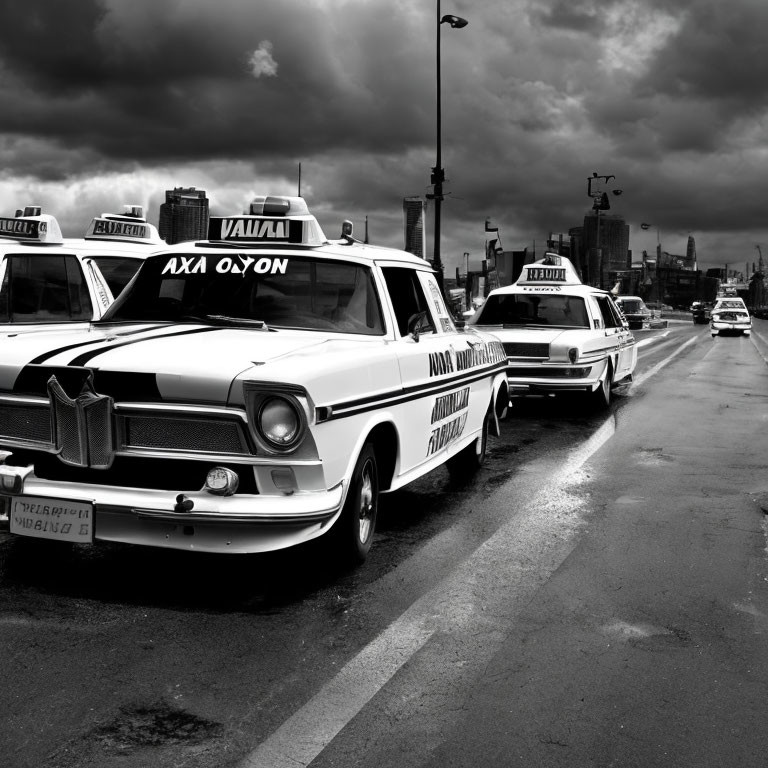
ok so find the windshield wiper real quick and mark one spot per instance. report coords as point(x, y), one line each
point(226, 320)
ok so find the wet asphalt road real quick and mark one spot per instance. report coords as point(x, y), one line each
point(596, 596)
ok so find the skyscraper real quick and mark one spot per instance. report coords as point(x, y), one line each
point(184, 215)
point(413, 208)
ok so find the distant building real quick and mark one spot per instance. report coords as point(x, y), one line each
point(606, 251)
point(184, 215)
point(413, 211)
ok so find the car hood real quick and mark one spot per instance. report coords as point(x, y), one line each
point(191, 363)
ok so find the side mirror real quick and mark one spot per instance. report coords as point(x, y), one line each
point(414, 324)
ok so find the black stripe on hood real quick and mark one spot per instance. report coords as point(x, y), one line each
point(122, 386)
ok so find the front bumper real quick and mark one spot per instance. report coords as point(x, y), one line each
point(242, 523)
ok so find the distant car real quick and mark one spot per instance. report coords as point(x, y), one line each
point(634, 310)
point(700, 312)
point(730, 316)
point(51, 282)
point(560, 335)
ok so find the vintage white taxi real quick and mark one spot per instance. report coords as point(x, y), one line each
point(246, 393)
point(559, 335)
point(48, 281)
point(730, 316)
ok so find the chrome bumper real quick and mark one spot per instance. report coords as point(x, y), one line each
point(238, 524)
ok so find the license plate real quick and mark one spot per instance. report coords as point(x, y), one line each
point(47, 518)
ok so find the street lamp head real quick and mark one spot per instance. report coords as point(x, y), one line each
point(456, 22)
point(617, 192)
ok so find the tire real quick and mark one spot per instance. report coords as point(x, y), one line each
point(600, 399)
point(353, 532)
point(464, 465)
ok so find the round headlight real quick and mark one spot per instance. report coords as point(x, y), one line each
point(280, 422)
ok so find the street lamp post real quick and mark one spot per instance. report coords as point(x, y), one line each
point(438, 172)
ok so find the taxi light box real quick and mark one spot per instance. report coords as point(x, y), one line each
point(546, 273)
point(23, 229)
point(107, 227)
point(247, 229)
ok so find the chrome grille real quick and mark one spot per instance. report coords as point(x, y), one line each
point(526, 349)
point(184, 434)
point(27, 423)
point(82, 428)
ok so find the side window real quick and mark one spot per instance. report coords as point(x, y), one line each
point(407, 298)
point(41, 288)
point(117, 271)
point(610, 317)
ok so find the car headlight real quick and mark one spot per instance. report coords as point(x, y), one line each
point(279, 417)
point(280, 422)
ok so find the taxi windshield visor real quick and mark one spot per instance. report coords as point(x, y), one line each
point(549, 309)
point(280, 291)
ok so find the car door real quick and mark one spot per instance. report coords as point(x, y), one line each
point(444, 402)
point(619, 338)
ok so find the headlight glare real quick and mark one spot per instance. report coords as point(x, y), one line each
point(279, 422)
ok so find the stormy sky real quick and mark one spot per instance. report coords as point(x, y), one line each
point(106, 102)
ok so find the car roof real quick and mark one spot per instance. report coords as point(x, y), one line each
point(553, 270)
point(282, 224)
point(127, 233)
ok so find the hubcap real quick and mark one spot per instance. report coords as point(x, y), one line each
point(366, 504)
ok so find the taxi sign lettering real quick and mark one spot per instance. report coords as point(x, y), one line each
point(22, 228)
point(247, 229)
point(237, 265)
point(254, 229)
point(107, 227)
point(546, 273)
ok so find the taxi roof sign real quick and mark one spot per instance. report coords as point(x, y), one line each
point(131, 226)
point(553, 269)
point(270, 220)
point(31, 226)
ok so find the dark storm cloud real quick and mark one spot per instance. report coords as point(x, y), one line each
point(719, 54)
point(159, 86)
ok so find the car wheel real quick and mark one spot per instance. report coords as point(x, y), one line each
point(600, 399)
point(467, 461)
point(353, 531)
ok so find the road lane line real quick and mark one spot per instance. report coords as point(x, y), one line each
point(663, 363)
point(451, 605)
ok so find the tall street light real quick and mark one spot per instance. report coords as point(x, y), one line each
point(438, 173)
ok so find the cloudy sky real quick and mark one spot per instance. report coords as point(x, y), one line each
point(106, 102)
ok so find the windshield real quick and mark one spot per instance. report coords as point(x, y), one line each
point(282, 292)
point(632, 305)
point(533, 309)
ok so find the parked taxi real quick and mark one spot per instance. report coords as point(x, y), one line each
point(560, 336)
point(730, 316)
point(246, 393)
point(48, 281)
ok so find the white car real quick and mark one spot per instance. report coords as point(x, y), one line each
point(560, 336)
point(48, 281)
point(730, 315)
point(246, 393)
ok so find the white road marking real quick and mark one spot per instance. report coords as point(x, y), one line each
point(663, 363)
point(450, 605)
